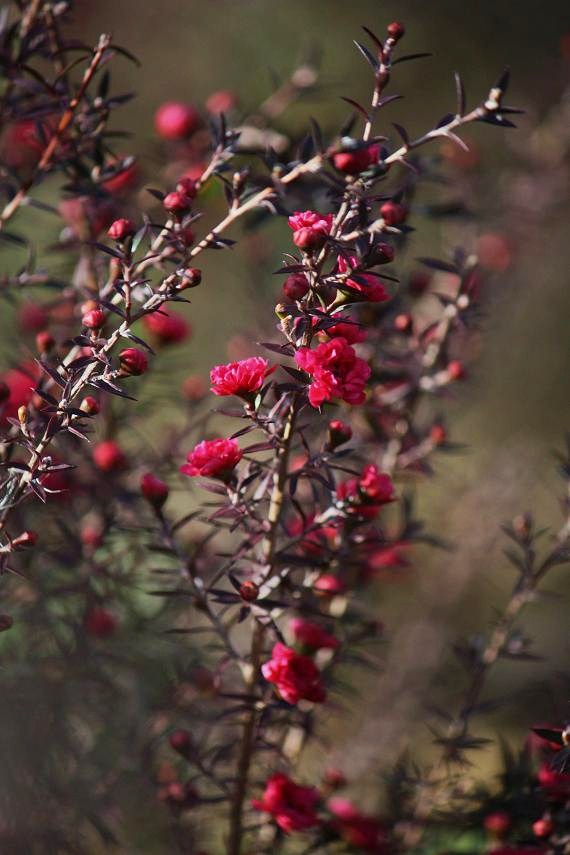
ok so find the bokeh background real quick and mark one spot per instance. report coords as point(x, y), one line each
point(515, 408)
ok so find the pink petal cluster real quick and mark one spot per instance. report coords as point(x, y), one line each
point(365, 495)
point(312, 635)
point(240, 378)
point(337, 372)
point(295, 676)
point(373, 291)
point(310, 229)
point(213, 458)
point(293, 807)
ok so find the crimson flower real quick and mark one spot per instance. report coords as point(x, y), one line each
point(336, 370)
point(241, 378)
point(293, 807)
point(365, 495)
point(296, 676)
point(214, 458)
point(368, 286)
point(310, 229)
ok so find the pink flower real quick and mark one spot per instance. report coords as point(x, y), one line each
point(365, 495)
point(310, 229)
point(336, 370)
point(293, 807)
point(312, 635)
point(214, 458)
point(371, 289)
point(167, 327)
point(240, 378)
point(346, 328)
point(359, 830)
point(296, 676)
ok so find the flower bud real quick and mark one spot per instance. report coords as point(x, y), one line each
point(338, 434)
point(191, 278)
point(438, 434)
point(44, 341)
point(4, 392)
point(93, 319)
point(295, 286)
point(384, 253)
point(396, 30)
point(221, 101)
point(154, 489)
point(543, 827)
point(194, 388)
point(90, 405)
point(108, 456)
point(121, 229)
point(497, 823)
point(176, 202)
point(308, 238)
point(181, 741)
point(174, 120)
point(456, 370)
point(334, 779)
point(249, 591)
point(187, 186)
point(100, 623)
point(393, 214)
point(403, 322)
point(133, 361)
point(26, 538)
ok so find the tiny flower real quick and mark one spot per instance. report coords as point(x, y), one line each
point(543, 827)
point(403, 322)
point(194, 388)
point(108, 456)
point(121, 229)
point(294, 808)
point(393, 214)
point(295, 286)
point(438, 434)
point(214, 458)
point(167, 327)
point(154, 489)
point(133, 361)
point(175, 120)
point(295, 676)
point(336, 371)
point(310, 229)
point(367, 286)
point(456, 370)
point(334, 778)
point(6, 622)
point(365, 495)
point(242, 378)
point(93, 319)
point(311, 635)
point(100, 623)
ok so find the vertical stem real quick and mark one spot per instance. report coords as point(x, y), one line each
point(268, 555)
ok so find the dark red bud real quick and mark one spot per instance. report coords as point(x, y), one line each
point(176, 203)
point(181, 741)
point(133, 361)
point(93, 319)
point(295, 286)
point(191, 278)
point(339, 433)
point(5, 622)
point(44, 341)
point(249, 591)
point(121, 229)
point(154, 490)
point(26, 538)
point(396, 30)
point(90, 405)
point(393, 214)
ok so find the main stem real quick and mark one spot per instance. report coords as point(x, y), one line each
point(268, 556)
